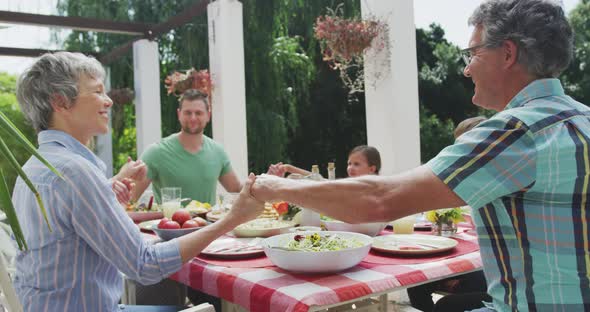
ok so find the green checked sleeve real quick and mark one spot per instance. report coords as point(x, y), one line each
point(495, 159)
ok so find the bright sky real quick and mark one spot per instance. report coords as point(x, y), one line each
point(452, 15)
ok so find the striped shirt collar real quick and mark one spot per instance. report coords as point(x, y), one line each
point(71, 144)
point(537, 89)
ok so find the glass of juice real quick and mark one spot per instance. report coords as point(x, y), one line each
point(170, 200)
point(404, 225)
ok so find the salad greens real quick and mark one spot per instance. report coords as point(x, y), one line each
point(317, 242)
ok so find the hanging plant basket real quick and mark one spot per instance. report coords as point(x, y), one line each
point(343, 42)
point(121, 96)
point(178, 82)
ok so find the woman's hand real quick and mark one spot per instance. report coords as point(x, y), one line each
point(246, 207)
point(122, 190)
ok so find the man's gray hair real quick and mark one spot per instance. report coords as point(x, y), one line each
point(539, 28)
point(52, 76)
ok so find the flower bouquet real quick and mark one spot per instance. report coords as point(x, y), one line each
point(178, 82)
point(444, 221)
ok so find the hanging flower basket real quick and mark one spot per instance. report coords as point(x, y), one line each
point(343, 42)
point(178, 82)
point(121, 96)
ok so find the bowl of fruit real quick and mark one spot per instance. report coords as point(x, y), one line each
point(180, 224)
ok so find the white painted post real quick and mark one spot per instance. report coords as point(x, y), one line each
point(226, 62)
point(146, 74)
point(393, 123)
point(104, 143)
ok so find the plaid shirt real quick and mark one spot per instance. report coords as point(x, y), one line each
point(526, 173)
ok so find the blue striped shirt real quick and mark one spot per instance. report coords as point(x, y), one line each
point(78, 265)
point(526, 171)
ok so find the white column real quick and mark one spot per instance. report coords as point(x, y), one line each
point(226, 62)
point(104, 143)
point(146, 74)
point(393, 124)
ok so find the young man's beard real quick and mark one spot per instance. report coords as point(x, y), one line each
point(188, 130)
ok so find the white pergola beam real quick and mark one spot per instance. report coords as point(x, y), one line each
point(226, 64)
point(393, 123)
point(146, 74)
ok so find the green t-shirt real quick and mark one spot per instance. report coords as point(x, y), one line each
point(170, 165)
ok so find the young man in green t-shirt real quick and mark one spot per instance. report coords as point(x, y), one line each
point(189, 159)
point(192, 161)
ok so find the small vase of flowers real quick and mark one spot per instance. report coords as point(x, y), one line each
point(444, 221)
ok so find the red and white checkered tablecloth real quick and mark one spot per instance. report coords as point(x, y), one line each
point(273, 289)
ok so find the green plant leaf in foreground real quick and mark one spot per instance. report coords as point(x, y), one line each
point(9, 127)
point(7, 207)
point(4, 150)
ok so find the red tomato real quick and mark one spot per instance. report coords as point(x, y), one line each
point(181, 216)
point(281, 207)
point(164, 220)
point(190, 224)
point(170, 225)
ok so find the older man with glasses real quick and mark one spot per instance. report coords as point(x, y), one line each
point(524, 171)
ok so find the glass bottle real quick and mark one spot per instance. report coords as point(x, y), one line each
point(308, 216)
point(331, 171)
point(315, 173)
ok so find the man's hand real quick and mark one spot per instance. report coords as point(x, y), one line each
point(246, 207)
point(133, 169)
point(122, 190)
point(266, 187)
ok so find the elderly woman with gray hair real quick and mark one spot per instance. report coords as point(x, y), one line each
point(524, 171)
point(77, 266)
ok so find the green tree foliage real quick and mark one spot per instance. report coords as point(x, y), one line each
point(577, 77)
point(9, 106)
point(297, 109)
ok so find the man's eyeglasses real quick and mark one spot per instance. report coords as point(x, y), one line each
point(468, 53)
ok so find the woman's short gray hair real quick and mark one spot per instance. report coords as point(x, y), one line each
point(539, 29)
point(53, 75)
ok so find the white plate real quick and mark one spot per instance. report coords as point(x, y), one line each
point(370, 229)
point(413, 244)
point(233, 248)
point(147, 225)
point(255, 228)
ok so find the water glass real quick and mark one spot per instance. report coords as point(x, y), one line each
point(404, 225)
point(171, 200)
point(228, 201)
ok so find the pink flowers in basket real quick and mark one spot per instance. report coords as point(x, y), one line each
point(178, 82)
point(342, 39)
point(343, 42)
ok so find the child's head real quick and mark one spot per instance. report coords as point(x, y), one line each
point(363, 160)
point(467, 125)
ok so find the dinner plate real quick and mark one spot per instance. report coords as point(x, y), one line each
point(141, 216)
point(413, 244)
point(215, 215)
point(234, 248)
point(147, 225)
point(262, 228)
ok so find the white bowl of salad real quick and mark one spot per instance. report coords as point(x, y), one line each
point(317, 251)
point(371, 229)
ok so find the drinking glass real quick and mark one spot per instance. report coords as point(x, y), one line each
point(228, 201)
point(404, 225)
point(170, 200)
